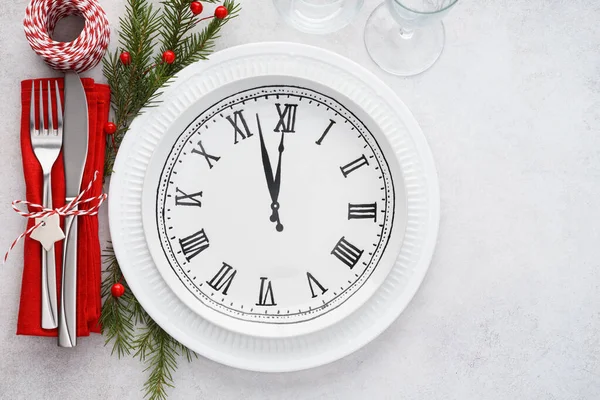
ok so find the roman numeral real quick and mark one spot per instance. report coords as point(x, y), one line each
point(362, 211)
point(184, 199)
point(194, 244)
point(346, 252)
point(354, 165)
point(331, 123)
point(311, 280)
point(237, 131)
point(265, 297)
point(207, 156)
point(222, 280)
point(287, 118)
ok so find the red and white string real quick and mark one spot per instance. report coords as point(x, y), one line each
point(70, 208)
point(81, 54)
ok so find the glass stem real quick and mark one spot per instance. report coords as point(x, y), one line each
point(406, 33)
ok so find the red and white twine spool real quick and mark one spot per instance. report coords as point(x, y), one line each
point(81, 54)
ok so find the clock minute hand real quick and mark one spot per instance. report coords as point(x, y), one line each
point(273, 188)
point(265, 160)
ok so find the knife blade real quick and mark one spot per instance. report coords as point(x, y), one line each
point(75, 148)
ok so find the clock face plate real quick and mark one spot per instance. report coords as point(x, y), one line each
point(274, 207)
point(152, 136)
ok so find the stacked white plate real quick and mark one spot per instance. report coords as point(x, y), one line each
point(277, 210)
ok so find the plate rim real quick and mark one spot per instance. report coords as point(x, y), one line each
point(425, 156)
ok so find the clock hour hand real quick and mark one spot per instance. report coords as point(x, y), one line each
point(271, 183)
point(277, 182)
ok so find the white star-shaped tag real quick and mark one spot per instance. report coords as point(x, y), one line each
point(48, 232)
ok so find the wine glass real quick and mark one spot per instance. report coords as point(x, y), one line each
point(318, 16)
point(406, 37)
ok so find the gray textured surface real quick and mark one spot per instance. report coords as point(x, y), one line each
point(510, 308)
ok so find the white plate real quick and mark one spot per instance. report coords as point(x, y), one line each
point(323, 343)
point(207, 219)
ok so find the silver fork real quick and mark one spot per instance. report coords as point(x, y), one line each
point(47, 142)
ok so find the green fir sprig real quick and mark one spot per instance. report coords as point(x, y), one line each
point(159, 351)
point(117, 319)
point(136, 85)
point(143, 29)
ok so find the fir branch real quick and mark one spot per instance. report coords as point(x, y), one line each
point(179, 20)
point(116, 317)
point(137, 85)
point(139, 32)
point(152, 345)
point(198, 46)
point(134, 87)
point(160, 351)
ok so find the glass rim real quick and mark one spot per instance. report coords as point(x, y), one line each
point(399, 2)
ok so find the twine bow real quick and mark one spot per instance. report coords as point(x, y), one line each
point(70, 208)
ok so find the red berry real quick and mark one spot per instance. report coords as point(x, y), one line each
point(221, 12)
point(196, 7)
point(168, 57)
point(110, 128)
point(117, 290)
point(125, 58)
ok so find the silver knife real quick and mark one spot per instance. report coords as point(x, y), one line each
point(75, 148)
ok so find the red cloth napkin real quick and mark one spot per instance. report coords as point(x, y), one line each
point(89, 263)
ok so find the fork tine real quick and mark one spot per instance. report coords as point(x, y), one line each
point(42, 121)
point(50, 114)
point(32, 108)
point(59, 111)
